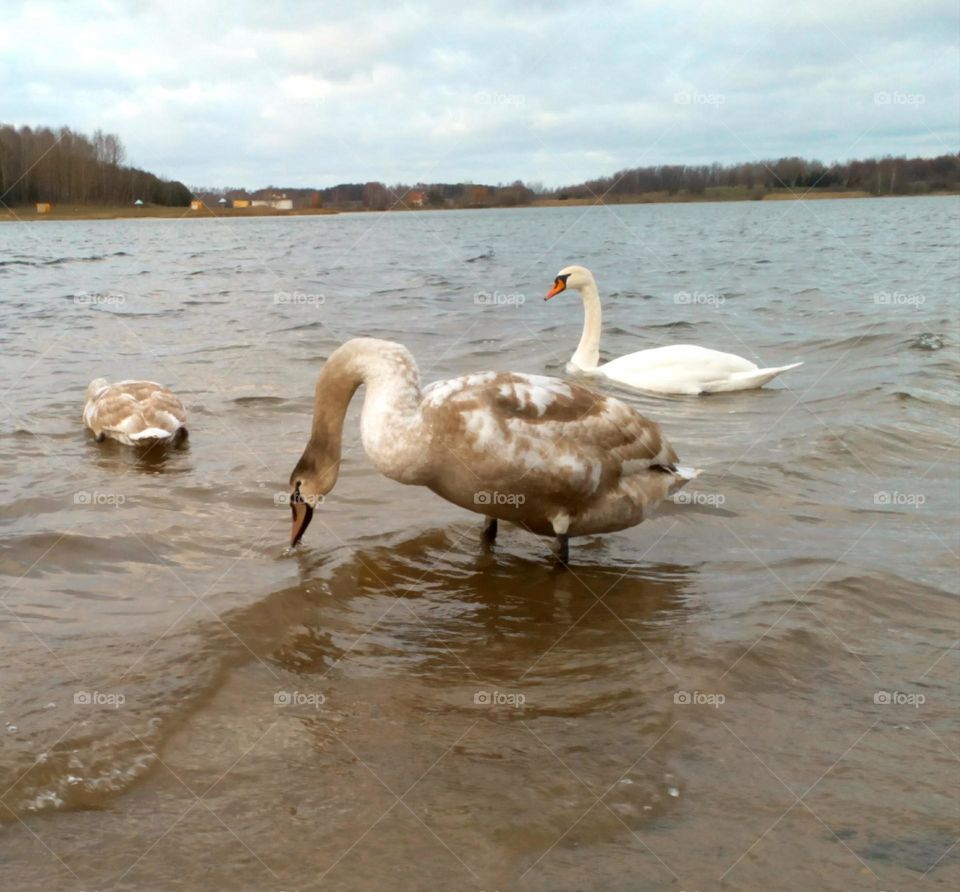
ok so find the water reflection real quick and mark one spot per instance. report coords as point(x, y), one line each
point(155, 459)
point(437, 605)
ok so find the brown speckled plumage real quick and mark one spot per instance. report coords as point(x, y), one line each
point(550, 455)
point(134, 412)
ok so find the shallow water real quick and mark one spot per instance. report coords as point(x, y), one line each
point(697, 704)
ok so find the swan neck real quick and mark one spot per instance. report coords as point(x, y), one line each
point(588, 351)
point(390, 406)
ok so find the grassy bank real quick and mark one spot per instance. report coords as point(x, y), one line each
point(721, 193)
point(152, 211)
point(714, 193)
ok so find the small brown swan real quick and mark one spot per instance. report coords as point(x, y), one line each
point(137, 413)
point(549, 455)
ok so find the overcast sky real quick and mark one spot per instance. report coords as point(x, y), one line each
point(230, 92)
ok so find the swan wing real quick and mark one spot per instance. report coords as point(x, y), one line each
point(135, 410)
point(541, 437)
point(679, 368)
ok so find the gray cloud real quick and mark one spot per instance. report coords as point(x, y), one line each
point(241, 93)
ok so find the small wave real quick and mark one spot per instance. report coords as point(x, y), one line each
point(926, 397)
point(259, 401)
point(921, 855)
point(633, 295)
point(927, 341)
point(59, 261)
point(873, 447)
point(486, 255)
point(847, 344)
point(680, 323)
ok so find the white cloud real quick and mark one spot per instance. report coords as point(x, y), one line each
point(302, 94)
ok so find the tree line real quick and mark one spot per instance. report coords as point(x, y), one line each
point(378, 196)
point(62, 166)
point(878, 176)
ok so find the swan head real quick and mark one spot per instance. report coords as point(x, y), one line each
point(571, 277)
point(308, 485)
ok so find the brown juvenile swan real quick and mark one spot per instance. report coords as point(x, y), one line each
point(137, 413)
point(549, 455)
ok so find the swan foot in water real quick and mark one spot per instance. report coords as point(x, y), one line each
point(561, 550)
point(489, 534)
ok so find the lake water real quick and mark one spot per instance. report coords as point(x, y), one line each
point(756, 689)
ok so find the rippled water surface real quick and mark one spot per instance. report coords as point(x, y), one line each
point(754, 690)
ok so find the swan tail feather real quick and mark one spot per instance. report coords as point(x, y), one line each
point(153, 435)
point(682, 475)
point(749, 380)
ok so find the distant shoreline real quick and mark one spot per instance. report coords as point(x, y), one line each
point(153, 212)
point(149, 211)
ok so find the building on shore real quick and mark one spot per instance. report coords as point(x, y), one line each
point(279, 201)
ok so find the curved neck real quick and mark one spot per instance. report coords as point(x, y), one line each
point(390, 406)
point(588, 350)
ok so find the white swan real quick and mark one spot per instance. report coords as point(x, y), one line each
point(137, 413)
point(679, 368)
point(549, 455)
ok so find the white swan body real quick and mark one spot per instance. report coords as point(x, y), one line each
point(136, 413)
point(678, 368)
point(541, 452)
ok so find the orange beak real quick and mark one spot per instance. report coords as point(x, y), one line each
point(558, 286)
point(302, 515)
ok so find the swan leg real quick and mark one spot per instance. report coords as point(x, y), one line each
point(561, 549)
point(490, 531)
